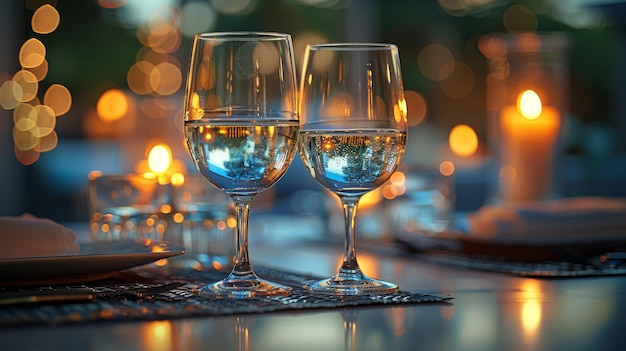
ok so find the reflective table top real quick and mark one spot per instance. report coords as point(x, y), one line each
point(489, 311)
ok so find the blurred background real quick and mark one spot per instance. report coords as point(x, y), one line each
point(97, 84)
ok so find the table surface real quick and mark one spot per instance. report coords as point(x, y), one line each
point(490, 311)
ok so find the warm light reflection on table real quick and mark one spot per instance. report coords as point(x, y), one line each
point(489, 312)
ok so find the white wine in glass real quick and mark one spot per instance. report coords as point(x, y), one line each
point(353, 134)
point(241, 128)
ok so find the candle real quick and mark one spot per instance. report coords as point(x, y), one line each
point(529, 133)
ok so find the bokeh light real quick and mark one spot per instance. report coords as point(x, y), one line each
point(33, 122)
point(301, 40)
point(10, 94)
point(436, 62)
point(463, 140)
point(446, 168)
point(159, 158)
point(32, 53)
point(58, 98)
point(111, 4)
point(417, 108)
point(40, 71)
point(197, 17)
point(29, 84)
point(234, 7)
point(45, 20)
point(460, 83)
point(26, 157)
point(112, 105)
point(518, 18)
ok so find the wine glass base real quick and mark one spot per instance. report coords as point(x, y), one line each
point(244, 287)
point(362, 285)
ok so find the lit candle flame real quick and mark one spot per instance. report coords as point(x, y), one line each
point(159, 159)
point(529, 104)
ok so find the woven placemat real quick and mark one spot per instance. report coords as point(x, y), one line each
point(115, 299)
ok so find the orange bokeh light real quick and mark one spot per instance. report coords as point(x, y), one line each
point(112, 105)
point(463, 140)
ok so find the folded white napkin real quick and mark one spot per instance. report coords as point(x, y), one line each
point(568, 218)
point(28, 236)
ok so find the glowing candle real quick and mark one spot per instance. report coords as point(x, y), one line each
point(529, 133)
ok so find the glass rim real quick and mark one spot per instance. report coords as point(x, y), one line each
point(352, 46)
point(241, 35)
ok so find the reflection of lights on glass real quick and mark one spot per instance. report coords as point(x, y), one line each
point(463, 140)
point(266, 57)
point(328, 144)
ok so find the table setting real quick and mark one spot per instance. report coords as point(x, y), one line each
point(241, 129)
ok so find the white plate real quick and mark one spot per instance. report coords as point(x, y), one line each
point(94, 261)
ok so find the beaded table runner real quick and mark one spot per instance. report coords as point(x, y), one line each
point(155, 294)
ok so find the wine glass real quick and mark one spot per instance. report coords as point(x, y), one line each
point(241, 129)
point(353, 133)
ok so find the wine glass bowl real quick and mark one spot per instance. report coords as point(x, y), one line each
point(353, 133)
point(241, 129)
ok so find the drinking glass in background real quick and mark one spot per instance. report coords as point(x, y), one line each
point(126, 207)
point(353, 133)
point(202, 221)
point(426, 206)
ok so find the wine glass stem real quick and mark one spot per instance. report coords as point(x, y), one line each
point(242, 265)
point(350, 265)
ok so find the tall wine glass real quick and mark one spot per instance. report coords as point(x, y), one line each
point(353, 133)
point(241, 129)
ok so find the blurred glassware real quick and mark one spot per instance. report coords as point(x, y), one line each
point(125, 206)
point(426, 206)
point(202, 220)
